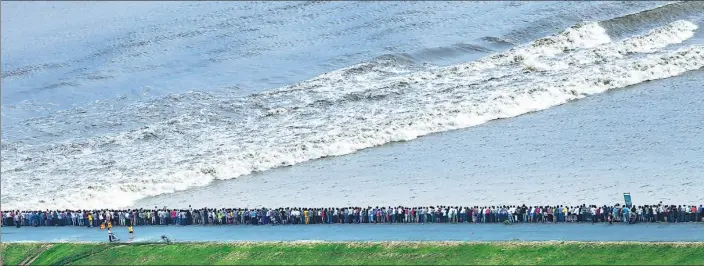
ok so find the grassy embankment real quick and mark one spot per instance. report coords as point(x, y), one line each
point(354, 253)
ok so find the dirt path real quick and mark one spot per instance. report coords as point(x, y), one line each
point(29, 260)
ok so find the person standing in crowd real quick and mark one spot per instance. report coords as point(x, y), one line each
point(18, 219)
point(355, 215)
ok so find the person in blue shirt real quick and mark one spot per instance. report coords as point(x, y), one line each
point(33, 220)
point(253, 215)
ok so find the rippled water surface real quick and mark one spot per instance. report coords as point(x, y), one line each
point(118, 104)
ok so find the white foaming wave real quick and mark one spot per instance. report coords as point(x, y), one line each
point(672, 33)
point(328, 86)
point(315, 119)
point(585, 35)
point(658, 38)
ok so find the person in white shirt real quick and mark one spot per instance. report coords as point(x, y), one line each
point(399, 214)
point(512, 214)
point(661, 211)
point(407, 215)
point(443, 213)
point(688, 213)
point(450, 214)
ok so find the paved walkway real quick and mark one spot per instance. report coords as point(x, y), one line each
point(370, 232)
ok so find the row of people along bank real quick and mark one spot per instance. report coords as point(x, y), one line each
point(348, 215)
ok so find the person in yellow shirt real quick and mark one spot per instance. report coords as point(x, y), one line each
point(90, 220)
point(305, 214)
point(131, 231)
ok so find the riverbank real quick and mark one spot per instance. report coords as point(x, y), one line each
point(355, 253)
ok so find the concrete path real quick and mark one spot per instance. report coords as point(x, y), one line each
point(369, 232)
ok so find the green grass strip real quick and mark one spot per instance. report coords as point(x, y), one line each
point(14, 254)
point(386, 253)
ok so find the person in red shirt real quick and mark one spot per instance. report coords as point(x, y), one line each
point(323, 215)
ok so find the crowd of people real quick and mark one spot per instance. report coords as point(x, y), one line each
point(350, 215)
